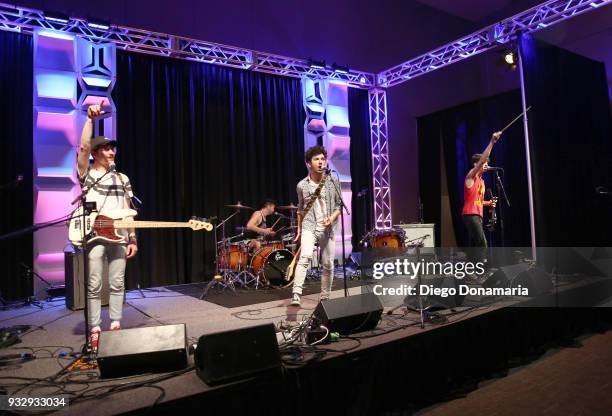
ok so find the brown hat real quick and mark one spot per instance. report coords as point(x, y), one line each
point(102, 141)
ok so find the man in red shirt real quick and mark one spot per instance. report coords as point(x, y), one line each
point(473, 199)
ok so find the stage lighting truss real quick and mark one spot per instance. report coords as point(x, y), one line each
point(380, 158)
point(488, 38)
point(25, 20)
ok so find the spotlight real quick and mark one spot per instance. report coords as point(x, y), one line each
point(98, 24)
point(340, 69)
point(363, 79)
point(510, 58)
point(56, 17)
point(316, 64)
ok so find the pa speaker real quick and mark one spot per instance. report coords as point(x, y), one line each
point(142, 350)
point(350, 314)
point(535, 279)
point(231, 355)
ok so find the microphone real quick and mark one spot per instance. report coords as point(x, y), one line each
point(111, 167)
point(494, 168)
point(327, 170)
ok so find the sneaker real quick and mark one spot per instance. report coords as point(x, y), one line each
point(296, 301)
point(94, 335)
point(115, 325)
point(323, 297)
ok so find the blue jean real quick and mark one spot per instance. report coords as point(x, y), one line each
point(327, 244)
point(115, 254)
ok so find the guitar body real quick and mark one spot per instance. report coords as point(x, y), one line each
point(97, 227)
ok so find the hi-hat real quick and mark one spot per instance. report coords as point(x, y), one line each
point(291, 207)
point(238, 206)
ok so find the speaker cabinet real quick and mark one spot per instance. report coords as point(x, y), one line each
point(350, 314)
point(142, 350)
point(232, 355)
point(535, 279)
point(75, 279)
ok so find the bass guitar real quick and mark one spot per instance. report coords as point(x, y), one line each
point(100, 228)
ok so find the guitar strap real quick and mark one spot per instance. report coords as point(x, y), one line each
point(316, 195)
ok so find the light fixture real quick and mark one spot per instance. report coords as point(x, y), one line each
point(316, 64)
point(510, 57)
point(340, 69)
point(56, 17)
point(98, 23)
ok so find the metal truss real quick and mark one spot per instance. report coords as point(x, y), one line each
point(380, 158)
point(534, 19)
point(25, 20)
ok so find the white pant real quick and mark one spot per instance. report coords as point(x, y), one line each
point(115, 253)
point(327, 244)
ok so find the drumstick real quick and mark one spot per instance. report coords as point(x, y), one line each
point(274, 225)
point(513, 121)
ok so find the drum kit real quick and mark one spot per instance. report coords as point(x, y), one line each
point(385, 238)
point(240, 262)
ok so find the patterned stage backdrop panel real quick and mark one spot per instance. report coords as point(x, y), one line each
point(69, 74)
point(327, 124)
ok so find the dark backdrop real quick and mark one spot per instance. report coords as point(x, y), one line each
point(571, 145)
point(16, 198)
point(361, 164)
point(194, 137)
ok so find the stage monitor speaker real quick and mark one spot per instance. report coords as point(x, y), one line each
point(350, 314)
point(232, 355)
point(535, 279)
point(142, 350)
point(75, 279)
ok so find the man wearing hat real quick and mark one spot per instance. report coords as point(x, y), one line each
point(111, 193)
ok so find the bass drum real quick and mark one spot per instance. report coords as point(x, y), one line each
point(272, 264)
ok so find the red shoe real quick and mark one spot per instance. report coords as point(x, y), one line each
point(94, 336)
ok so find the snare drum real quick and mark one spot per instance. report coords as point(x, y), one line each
point(388, 237)
point(233, 256)
point(272, 264)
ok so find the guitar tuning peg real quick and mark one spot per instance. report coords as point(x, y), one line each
point(193, 217)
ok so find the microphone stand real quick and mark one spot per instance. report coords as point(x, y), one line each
point(501, 191)
point(342, 208)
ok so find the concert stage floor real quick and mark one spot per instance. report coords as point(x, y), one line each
point(397, 368)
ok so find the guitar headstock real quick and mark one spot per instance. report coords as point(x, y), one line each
point(197, 224)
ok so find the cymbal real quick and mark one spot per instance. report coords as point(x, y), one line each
point(291, 207)
point(238, 206)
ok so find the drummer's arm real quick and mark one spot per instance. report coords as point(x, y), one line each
point(252, 225)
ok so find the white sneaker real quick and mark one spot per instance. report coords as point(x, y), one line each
point(296, 301)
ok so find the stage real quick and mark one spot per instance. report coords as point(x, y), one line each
point(398, 367)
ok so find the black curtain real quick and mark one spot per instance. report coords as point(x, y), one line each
point(194, 137)
point(460, 132)
point(361, 164)
point(571, 145)
point(16, 197)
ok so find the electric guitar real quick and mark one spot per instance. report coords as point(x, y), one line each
point(104, 227)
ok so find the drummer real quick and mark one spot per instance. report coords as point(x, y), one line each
point(258, 227)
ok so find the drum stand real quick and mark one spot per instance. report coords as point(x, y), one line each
point(419, 308)
point(222, 279)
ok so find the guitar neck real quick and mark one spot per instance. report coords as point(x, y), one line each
point(149, 224)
